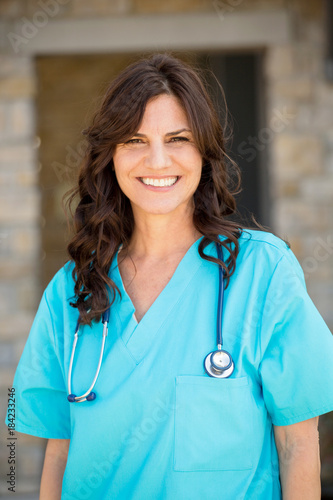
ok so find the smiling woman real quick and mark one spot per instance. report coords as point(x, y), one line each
point(156, 122)
point(169, 413)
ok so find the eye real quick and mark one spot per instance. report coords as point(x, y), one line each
point(179, 139)
point(133, 141)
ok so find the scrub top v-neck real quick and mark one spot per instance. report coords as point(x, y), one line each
point(138, 335)
point(160, 428)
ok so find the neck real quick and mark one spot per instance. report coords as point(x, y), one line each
point(159, 236)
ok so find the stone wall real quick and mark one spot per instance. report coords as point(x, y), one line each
point(297, 141)
point(20, 237)
point(301, 156)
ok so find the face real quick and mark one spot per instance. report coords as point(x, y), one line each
point(159, 168)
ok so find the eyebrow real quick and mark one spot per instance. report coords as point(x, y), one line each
point(168, 134)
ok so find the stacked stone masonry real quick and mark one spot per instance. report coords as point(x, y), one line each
point(299, 147)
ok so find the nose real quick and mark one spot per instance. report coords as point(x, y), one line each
point(158, 157)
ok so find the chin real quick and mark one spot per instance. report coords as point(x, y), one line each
point(159, 210)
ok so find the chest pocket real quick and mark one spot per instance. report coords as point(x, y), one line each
point(213, 424)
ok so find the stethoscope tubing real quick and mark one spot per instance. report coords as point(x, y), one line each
point(220, 300)
point(219, 363)
point(211, 368)
point(80, 399)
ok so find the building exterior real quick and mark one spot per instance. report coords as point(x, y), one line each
point(57, 57)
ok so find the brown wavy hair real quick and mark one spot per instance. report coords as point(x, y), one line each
point(103, 217)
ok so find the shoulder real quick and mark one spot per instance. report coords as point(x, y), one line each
point(263, 243)
point(61, 287)
point(263, 240)
point(263, 250)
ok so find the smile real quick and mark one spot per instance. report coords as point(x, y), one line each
point(167, 181)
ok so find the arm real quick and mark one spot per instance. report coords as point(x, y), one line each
point(299, 460)
point(54, 466)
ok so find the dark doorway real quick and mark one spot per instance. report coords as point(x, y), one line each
point(240, 77)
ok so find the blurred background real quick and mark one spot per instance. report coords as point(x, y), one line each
point(274, 59)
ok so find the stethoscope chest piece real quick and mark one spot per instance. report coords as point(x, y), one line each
point(219, 364)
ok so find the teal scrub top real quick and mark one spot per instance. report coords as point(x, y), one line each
point(160, 427)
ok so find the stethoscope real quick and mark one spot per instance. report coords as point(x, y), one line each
point(217, 364)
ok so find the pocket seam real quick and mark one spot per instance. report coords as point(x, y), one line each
point(206, 380)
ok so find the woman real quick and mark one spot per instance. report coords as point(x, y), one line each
point(154, 195)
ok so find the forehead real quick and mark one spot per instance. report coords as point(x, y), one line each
point(163, 112)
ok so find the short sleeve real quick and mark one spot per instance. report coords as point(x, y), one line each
point(296, 365)
point(41, 402)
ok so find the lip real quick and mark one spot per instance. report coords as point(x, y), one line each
point(158, 188)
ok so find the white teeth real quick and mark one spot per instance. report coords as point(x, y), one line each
point(169, 181)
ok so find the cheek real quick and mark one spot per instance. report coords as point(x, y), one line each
point(125, 163)
point(121, 178)
point(196, 165)
point(195, 159)
point(190, 160)
point(121, 169)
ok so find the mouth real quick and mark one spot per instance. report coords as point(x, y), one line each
point(159, 182)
